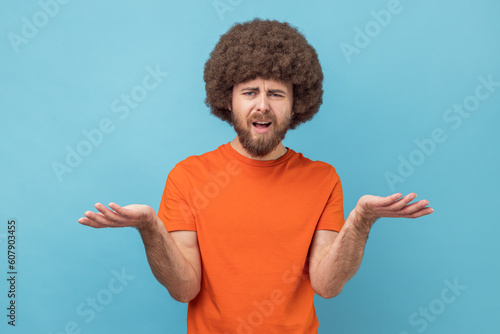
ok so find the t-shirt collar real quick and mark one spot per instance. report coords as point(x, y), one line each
point(253, 162)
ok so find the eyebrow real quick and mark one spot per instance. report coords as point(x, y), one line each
point(256, 89)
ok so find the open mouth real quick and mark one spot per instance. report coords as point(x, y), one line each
point(261, 125)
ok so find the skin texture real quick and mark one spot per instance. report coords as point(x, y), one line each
point(334, 257)
point(261, 100)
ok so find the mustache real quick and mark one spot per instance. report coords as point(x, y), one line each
point(263, 118)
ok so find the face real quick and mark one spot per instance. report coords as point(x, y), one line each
point(261, 111)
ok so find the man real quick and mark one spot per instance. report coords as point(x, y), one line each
point(249, 232)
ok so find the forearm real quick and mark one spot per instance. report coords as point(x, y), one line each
point(167, 263)
point(336, 262)
point(343, 258)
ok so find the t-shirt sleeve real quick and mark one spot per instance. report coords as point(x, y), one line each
point(332, 217)
point(174, 210)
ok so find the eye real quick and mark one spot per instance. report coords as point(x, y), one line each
point(249, 93)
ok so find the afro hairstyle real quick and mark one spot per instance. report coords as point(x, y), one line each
point(270, 50)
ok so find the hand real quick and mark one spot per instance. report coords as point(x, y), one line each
point(371, 207)
point(134, 215)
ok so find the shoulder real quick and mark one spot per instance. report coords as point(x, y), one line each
point(315, 167)
point(193, 164)
point(197, 159)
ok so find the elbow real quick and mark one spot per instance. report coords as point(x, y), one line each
point(182, 289)
point(328, 293)
point(183, 297)
point(183, 293)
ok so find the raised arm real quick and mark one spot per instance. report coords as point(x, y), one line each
point(336, 256)
point(174, 257)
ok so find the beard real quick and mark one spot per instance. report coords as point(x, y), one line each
point(260, 145)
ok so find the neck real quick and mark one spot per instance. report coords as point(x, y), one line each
point(278, 152)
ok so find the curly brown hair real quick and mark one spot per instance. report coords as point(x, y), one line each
point(271, 50)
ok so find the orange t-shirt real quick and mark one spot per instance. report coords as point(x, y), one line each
point(255, 221)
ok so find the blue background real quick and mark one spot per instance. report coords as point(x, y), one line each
point(397, 88)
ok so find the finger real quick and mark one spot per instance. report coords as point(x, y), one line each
point(98, 218)
point(414, 207)
point(110, 215)
point(120, 210)
point(87, 222)
point(390, 199)
point(403, 202)
point(420, 213)
point(114, 206)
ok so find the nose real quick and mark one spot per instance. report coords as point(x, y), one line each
point(263, 103)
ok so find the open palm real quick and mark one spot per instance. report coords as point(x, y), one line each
point(134, 215)
point(374, 207)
